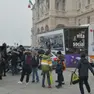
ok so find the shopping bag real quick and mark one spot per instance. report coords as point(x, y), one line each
point(51, 78)
point(74, 78)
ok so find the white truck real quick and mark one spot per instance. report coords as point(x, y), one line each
point(71, 41)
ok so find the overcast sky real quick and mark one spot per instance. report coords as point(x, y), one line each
point(15, 22)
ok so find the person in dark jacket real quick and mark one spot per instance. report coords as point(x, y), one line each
point(14, 61)
point(61, 58)
point(4, 56)
point(27, 68)
point(0, 65)
point(59, 69)
point(35, 64)
point(83, 68)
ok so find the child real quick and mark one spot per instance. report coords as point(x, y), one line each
point(59, 69)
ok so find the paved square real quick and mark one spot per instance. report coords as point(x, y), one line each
point(9, 85)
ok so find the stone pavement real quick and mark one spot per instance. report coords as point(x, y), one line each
point(9, 86)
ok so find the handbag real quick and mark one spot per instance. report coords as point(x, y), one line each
point(74, 78)
point(51, 78)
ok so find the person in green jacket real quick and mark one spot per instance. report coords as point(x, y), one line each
point(46, 66)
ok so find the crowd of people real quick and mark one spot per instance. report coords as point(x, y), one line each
point(9, 60)
point(32, 61)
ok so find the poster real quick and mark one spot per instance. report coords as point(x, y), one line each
point(72, 60)
point(54, 39)
point(76, 42)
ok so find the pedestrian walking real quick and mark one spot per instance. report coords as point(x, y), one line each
point(83, 68)
point(27, 68)
point(35, 64)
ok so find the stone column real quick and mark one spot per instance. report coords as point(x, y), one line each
point(52, 4)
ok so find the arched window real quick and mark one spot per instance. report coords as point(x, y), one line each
point(38, 30)
point(63, 5)
point(47, 3)
point(42, 29)
point(60, 26)
point(46, 28)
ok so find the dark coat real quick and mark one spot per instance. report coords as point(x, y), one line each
point(24, 60)
point(84, 67)
point(35, 62)
point(59, 68)
point(27, 67)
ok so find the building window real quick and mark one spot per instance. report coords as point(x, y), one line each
point(63, 6)
point(88, 2)
point(57, 4)
point(42, 29)
point(46, 28)
point(88, 20)
point(47, 3)
point(42, 9)
point(79, 22)
point(79, 5)
point(38, 30)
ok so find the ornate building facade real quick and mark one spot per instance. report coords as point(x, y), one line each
point(51, 14)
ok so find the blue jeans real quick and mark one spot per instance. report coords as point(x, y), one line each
point(35, 72)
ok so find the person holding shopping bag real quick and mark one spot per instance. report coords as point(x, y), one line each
point(83, 71)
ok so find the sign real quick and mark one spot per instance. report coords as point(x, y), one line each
point(76, 40)
point(79, 39)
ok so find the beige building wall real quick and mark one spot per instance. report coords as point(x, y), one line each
point(51, 13)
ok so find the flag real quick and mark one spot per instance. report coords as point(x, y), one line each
point(29, 6)
point(30, 3)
